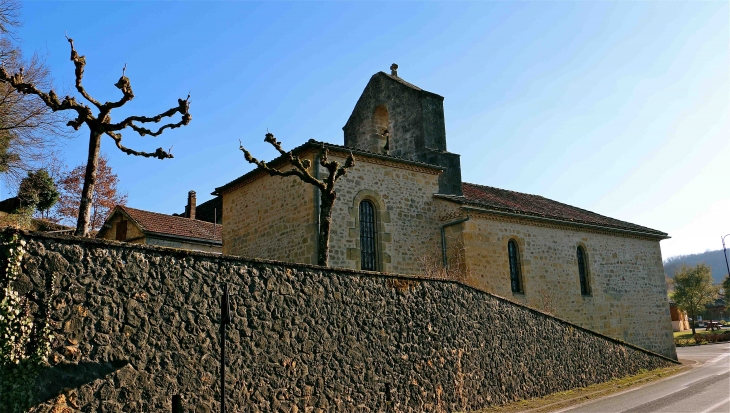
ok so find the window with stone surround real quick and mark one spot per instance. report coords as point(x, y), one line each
point(515, 274)
point(368, 237)
point(585, 287)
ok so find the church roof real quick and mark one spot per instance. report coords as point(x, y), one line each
point(313, 144)
point(162, 224)
point(502, 200)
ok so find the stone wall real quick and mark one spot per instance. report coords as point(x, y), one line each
point(270, 217)
point(275, 218)
point(136, 324)
point(628, 297)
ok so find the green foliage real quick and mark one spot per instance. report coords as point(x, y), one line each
point(37, 191)
point(693, 289)
point(25, 339)
point(726, 289)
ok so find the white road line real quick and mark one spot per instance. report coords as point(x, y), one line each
point(714, 406)
point(718, 358)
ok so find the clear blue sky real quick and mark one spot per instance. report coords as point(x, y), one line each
point(616, 107)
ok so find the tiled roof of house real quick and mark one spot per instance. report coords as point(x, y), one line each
point(317, 144)
point(534, 205)
point(153, 222)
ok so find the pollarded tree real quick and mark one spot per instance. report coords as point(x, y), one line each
point(326, 186)
point(99, 124)
point(693, 289)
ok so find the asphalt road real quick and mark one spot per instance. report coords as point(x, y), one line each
point(705, 388)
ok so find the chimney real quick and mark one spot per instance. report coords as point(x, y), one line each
point(190, 208)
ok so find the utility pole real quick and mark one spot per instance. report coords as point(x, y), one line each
point(724, 253)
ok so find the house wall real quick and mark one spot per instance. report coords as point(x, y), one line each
point(275, 218)
point(270, 217)
point(406, 214)
point(134, 233)
point(134, 324)
point(628, 297)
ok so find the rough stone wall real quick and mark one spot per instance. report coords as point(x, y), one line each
point(164, 242)
point(628, 297)
point(272, 218)
point(406, 116)
point(408, 227)
point(136, 324)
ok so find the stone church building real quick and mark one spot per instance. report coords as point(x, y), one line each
point(405, 209)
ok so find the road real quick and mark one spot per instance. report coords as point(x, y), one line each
point(705, 388)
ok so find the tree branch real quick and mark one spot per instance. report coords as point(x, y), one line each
point(183, 108)
point(79, 63)
point(159, 153)
point(125, 86)
point(50, 98)
point(301, 167)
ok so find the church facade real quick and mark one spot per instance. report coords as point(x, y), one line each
point(405, 209)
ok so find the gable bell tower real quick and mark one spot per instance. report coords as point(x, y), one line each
point(394, 117)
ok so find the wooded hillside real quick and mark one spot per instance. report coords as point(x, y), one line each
point(714, 259)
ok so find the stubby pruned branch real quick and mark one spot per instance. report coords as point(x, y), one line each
point(50, 99)
point(79, 64)
point(159, 153)
point(183, 107)
point(301, 166)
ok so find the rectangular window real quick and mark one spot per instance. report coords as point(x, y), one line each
point(121, 230)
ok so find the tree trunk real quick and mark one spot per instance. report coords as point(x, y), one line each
point(694, 321)
point(82, 225)
point(325, 223)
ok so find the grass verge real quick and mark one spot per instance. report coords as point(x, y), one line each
point(568, 398)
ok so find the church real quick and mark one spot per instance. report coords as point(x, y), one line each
point(404, 209)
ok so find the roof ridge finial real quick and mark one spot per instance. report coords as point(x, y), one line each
point(394, 70)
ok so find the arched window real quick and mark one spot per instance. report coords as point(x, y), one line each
point(585, 288)
point(382, 130)
point(514, 266)
point(368, 237)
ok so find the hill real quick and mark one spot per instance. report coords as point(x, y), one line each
point(714, 259)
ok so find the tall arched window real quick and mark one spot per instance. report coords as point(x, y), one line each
point(514, 266)
point(368, 237)
point(585, 287)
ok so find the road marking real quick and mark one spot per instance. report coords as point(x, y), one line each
point(718, 358)
point(714, 406)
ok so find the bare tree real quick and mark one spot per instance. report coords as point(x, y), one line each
point(99, 124)
point(27, 126)
point(326, 186)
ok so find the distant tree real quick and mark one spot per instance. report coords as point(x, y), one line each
point(37, 191)
point(326, 186)
point(98, 125)
point(106, 194)
point(693, 289)
point(726, 290)
point(27, 126)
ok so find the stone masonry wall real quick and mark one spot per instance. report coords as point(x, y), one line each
point(136, 324)
point(270, 217)
point(628, 297)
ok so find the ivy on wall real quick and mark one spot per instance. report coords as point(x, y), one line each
point(25, 337)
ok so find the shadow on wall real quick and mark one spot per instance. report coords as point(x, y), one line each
point(25, 385)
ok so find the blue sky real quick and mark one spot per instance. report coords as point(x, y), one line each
point(621, 108)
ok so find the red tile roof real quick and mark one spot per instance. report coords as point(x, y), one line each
point(537, 206)
point(171, 225)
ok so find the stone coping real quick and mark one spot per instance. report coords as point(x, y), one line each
point(231, 258)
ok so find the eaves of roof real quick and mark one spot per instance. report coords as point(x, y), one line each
point(312, 145)
point(628, 229)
